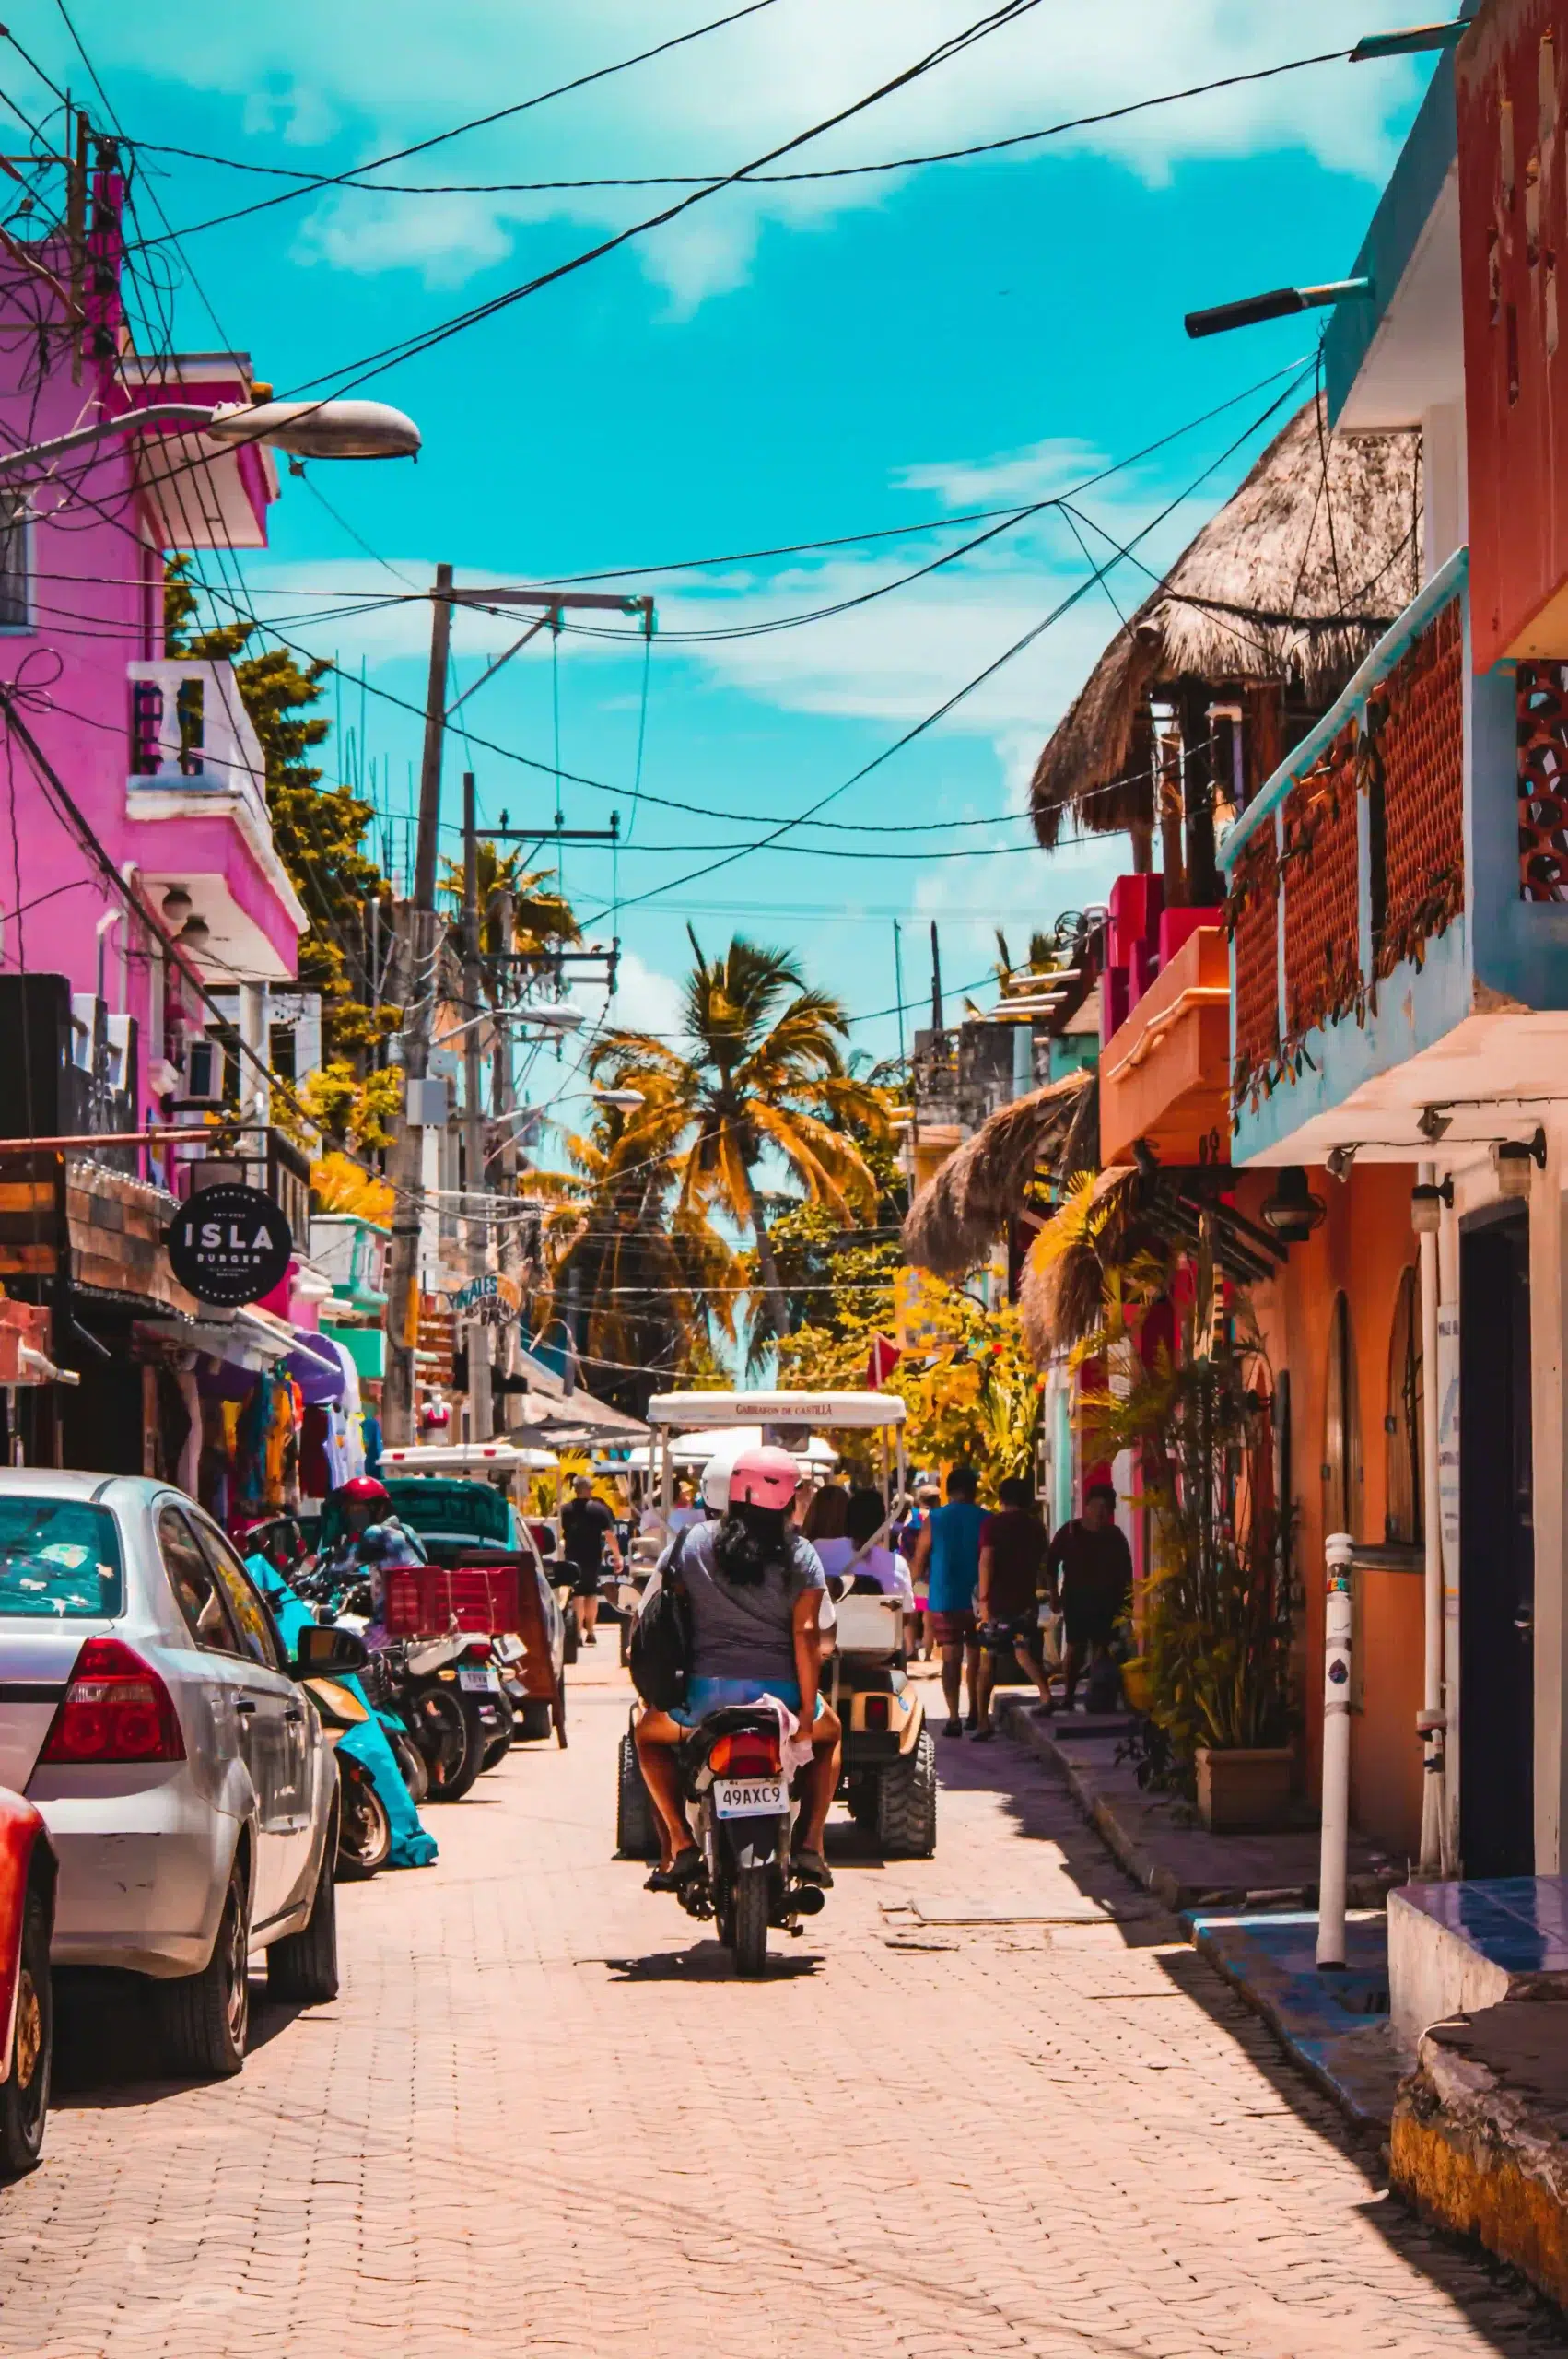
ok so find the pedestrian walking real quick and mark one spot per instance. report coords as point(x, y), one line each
point(948, 1555)
point(588, 1536)
point(1091, 1568)
point(927, 1500)
point(1013, 1554)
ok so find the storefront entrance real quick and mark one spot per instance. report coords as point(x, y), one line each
point(1496, 1549)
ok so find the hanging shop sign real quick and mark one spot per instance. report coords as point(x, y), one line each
point(230, 1244)
point(495, 1299)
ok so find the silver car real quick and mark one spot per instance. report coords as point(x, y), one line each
point(147, 1710)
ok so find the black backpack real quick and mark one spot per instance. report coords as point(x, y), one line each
point(660, 1653)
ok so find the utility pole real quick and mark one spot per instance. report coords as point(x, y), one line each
point(936, 981)
point(898, 985)
point(473, 1116)
point(405, 1163)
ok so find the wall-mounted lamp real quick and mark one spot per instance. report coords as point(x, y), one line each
point(1293, 1212)
point(1409, 43)
point(176, 905)
point(1339, 1159)
point(1512, 1160)
point(1426, 1206)
point(1435, 1122)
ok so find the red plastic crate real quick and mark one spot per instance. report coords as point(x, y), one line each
point(424, 1601)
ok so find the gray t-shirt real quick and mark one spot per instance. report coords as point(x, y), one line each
point(739, 1632)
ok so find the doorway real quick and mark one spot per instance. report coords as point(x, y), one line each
point(1496, 1549)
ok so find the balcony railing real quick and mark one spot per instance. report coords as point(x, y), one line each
point(1351, 864)
point(191, 734)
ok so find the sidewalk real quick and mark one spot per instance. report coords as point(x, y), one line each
point(1247, 1903)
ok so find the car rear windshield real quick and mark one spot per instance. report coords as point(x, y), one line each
point(59, 1559)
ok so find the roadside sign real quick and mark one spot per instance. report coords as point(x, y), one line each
point(230, 1244)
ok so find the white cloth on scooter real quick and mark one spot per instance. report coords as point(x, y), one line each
point(794, 1752)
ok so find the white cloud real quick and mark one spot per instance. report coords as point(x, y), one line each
point(379, 68)
point(645, 1000)
point(1039, 473)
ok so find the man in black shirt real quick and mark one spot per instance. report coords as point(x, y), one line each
point(1091, 1568)
point(588, 1535)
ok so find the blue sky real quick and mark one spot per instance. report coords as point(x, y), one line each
point(784, 364)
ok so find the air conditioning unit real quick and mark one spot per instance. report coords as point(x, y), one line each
point(120, 1052)
point(84, 1028)
point(427, 1104)
point(204, 1073)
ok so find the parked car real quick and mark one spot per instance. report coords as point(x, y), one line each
point(27, 2012)
point(149, 1712)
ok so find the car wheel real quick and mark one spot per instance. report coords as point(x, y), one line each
point(207, 2016)
point(302, 1967)
point(536, 1718)
point(24, 2097)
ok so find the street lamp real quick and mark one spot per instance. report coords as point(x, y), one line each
point(628, 1101)
point(323, 430)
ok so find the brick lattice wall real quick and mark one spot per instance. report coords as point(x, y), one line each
point(1322, 891)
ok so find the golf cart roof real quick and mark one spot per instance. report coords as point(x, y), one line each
point(699, 1445)
point(708, 1409)
point(472, 1458)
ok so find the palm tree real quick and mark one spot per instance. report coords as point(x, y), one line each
point(649, 1282)
point(540, 918)
point(759, 1065)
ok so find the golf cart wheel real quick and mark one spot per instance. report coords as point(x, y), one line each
point(864, 1801)
point(636, 1834)
point(906, 1819)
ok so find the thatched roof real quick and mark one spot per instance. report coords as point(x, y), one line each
point(957, 1217)
point(1294, 580)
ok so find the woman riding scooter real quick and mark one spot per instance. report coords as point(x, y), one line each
point(755, 1587)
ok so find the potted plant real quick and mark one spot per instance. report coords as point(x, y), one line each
point(1216, 1609)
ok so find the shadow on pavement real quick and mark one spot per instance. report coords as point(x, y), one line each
point(704, 1961)
point(108, 2050)
point(1497, 2303)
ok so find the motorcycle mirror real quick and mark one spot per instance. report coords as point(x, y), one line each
point(328, 1653)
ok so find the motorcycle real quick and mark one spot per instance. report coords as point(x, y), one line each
point(448, 1699)
point(730, 1769)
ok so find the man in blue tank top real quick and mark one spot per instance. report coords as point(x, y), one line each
point(948, 1555)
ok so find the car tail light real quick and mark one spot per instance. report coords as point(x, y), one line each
point(116, 1707)
point(877, 1710)
point(477, 1651)
point(744, 1757)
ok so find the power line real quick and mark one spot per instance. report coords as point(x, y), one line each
point(479, 123)
point(350, 374)
point(932, 719)
point(312, 182)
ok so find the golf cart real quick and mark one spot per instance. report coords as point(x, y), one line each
point(889, 1774)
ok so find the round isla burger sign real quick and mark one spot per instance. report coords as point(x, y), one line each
point(230, 1244)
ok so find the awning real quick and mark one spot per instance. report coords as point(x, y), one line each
point(575, 1417)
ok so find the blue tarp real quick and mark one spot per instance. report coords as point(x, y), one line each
point(411, 1846)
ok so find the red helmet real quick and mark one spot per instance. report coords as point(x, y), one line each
point(364, 1486)
point(765, 1477)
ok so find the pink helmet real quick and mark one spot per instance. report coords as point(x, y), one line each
point(765, 1477)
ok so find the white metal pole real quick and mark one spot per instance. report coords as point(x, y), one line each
point(1429, 1722)
point(1336, 1753)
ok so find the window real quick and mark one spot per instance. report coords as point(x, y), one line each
point(1403, 1422)
point(196, 1589)
point(257, 1634)
point(59, 1559)
point(15, 590)
point(1342, 1429)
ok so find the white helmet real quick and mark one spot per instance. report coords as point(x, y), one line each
point(716, 1480)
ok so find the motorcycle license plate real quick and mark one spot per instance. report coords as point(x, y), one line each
point(474, 1677)
point(750, 1797)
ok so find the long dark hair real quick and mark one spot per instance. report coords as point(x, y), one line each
point(749, 1540)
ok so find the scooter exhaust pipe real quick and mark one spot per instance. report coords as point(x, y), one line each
point(808, 1900)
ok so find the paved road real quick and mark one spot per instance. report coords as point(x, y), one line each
point(542, 2118)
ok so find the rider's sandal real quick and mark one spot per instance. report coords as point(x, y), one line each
point(681, 1870)
point(812, 1868)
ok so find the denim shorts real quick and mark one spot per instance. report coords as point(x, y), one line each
point(704, 1695)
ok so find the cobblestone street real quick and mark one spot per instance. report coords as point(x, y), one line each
point(542, 2117)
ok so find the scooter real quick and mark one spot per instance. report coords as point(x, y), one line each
point(745, 1812)
point(435, 1690)
point(364, 1829)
